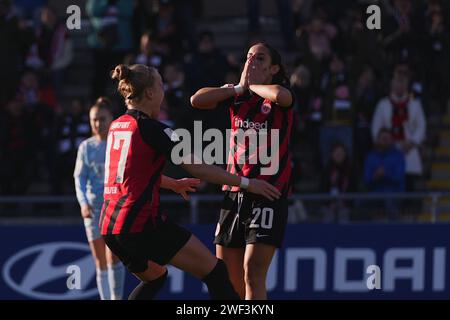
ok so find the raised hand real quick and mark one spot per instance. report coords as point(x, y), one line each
point(185, 185)
point(245, 73)
point(263, 188)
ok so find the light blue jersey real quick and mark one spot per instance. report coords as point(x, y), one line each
point(89, 172)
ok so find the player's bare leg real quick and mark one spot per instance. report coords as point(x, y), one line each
point(256, 264)
point(98, 252)
point(194, 258)
point(234, 259)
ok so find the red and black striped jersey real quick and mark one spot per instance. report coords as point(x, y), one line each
point(137, 149)
point(250, 111)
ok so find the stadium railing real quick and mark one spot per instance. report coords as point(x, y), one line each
point(204, 208)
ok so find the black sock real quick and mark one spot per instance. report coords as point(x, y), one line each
point(219, 284)
point(148, 290)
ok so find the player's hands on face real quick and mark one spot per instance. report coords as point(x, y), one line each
point(263, 188)
point(185, 185)
point(86, 211)
point(255, 73)
point(245, 73)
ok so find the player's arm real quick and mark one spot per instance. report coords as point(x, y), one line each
point(210, 97)
point(216, 175)
point(273, 92)
point(80, 175)
point(181, 186)
point(164, 139)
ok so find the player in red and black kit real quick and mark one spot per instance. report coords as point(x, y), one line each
point(131, 221)
point(250, 228)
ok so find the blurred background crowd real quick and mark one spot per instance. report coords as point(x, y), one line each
point(372, 106)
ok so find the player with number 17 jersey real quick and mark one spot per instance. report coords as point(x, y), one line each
point(133, 173)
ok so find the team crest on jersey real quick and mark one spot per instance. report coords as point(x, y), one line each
point(266, 107)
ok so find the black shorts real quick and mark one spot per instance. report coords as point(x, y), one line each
point(248, 218)
point(159, 245)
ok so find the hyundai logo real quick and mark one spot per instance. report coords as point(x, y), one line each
point(41, 271)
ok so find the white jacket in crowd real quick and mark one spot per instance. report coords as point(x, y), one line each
point(414, 129)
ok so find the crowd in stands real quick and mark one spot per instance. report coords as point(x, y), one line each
point(362, 96)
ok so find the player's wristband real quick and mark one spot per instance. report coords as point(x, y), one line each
point(245, 182)
point(238, 89)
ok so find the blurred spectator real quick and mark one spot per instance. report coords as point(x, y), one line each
point(36, 93)
point(437, 57)
point(308, 112)
point(320, 35)
point(55, 49)
point(360, 44)
point(110, 38)
point(167, 30)
point(207, 66)
point(172, 23)
point(404, 116)
point(16, 141)
point(188, 13)
point(301, 85)
point(340, 72)
point(337, 178)
point(148, 53)
point(301, 10)
point(285, 19)
point(365, 99)
point(39, 101)
point(176, 97)
point(400, 30)
point(141, 23)
point(337, 109)
point(316, 48)
point(384, 171)
point(72, 128)
point(15, 40)
point(232, 76)
point(29, 9)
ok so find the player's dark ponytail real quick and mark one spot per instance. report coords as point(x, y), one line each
point(280, 77)
point(133, 80)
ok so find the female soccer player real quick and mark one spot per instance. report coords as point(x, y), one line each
point(250, 228)
point(132, 224)
point(89, 182)
point(89, 176)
